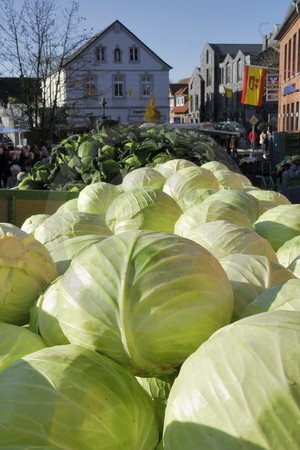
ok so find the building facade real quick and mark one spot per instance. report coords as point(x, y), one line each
point(179, 101)
point(114, 76)
point(222, 70)
point(289, 70)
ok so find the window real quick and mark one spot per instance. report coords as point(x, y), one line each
point(146, 83)
point(208, 57)
point(133, 54)
point(100, 54)
point(208, 77)
point(117, 55)
point(90, 89)
point(179, 101)
point(239, 70)
point(118, 87)
point(227, 73)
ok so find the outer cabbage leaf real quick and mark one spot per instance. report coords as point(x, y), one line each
point(145, 299)
point(96, 197)
point(289, 251)
point(223, 238)
point(32, 222)
point(16, 342)
point(228, 179)
point(245, 202)
point(188, 179)
point(65, 251)
point(214, 165)
point(249, 276)
point(194, 197)
point(284, 296)
point(279, 224)
point(269, 199)
point(294, 267)
point(210, 212)
point(143, 208)
point(25, 268)
point(43, 316)
point(143, 176)
point(173, 165)
point(72, 397)
point(65, 224)
point(240, 389)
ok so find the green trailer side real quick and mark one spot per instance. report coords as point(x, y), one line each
point(16, 205)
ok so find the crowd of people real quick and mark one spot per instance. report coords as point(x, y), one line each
point(16, 163)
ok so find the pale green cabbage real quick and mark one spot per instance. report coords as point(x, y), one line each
point(96, 197)
point(279, 224)
point(284, 296)
point(240, 389)
point(228, 179)
point(173, 165)
point(74, 398)
point(145, 299)
point(66, 224)
point(209, 212)
point(245, 202)
point(289, 251)
point(63, 253)
point(143, 176)
point(25, 268)
point(188, 179)
point(249, 276)
point(32, 222)
point(223, 238)
point(214, 165)
point(143, 208)
point(43, 316)
point(269, 199)
point(194, 197)
point(16, 342)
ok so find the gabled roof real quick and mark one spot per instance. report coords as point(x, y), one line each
point(175, 88)
point(291, 14)
point(232, 49)
point(181, 109)
point(98, 35)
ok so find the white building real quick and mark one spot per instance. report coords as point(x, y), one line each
point(113, 75)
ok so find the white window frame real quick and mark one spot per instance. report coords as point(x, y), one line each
point(101, 54)
point(146, 85)
point(118, 86)
point(117, 51)
point(134, 54)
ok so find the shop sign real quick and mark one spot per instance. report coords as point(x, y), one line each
point(289, 89)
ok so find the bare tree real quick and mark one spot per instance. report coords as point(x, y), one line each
point(37, 37)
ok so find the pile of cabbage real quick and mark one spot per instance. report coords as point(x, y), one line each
point(162, 313)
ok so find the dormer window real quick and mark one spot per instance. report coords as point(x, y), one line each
point(133, 54)
point(117, 55)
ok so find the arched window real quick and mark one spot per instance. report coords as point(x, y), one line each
point(117, 55)
point(239, 70)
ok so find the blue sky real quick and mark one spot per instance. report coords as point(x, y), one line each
point(177, 31)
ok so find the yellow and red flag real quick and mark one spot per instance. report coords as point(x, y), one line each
point(254, 79)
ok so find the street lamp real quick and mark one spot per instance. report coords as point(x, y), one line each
point(103, 104)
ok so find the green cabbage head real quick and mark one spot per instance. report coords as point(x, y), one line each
point(240, 389)
point(26, 267)
point(143, 208)
point(279, 224)
point(250, 275)
point(145, 299)
point(72, 397)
